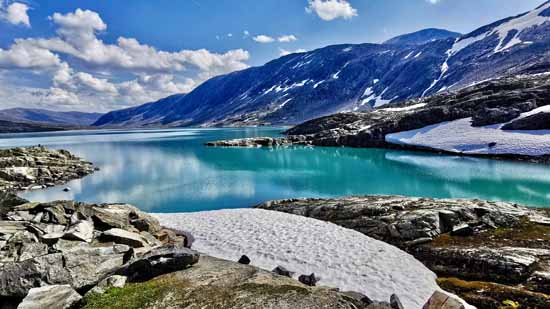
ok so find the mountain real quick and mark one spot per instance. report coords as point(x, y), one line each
point(423, 36)
point(42, 116)
point(19, 127)
point(303, 86)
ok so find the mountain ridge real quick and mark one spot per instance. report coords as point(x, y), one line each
point(48, 117)
point(354, 77)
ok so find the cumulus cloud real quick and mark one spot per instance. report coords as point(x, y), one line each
point(262, 38)
point(331, 9)
point(15, 13)
point(287, 38)
point(284, 52)
point(156, 73)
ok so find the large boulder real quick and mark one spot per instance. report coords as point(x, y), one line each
point(215, 283)
point(539, 121)
point(50, 296)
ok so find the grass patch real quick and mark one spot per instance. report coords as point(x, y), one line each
point(133, 295)
point(488, 295)
point(526, 234)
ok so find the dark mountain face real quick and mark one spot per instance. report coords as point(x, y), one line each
point(299, 87)
point(423, 36)
point(41, 116)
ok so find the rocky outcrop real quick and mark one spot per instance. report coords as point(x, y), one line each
point(491, 102)
point(539, 121)
point(66, 243)
point(50, 296)
point(470, 239)
point(39, 167)
point(214, 283)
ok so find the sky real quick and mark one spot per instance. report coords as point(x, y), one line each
point(102, 55)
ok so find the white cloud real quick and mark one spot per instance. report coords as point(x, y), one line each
point(433, 1)
point(263, 39)
point(331, 9)
point(142, 72)
point(15, 13)
point(284, 52)
point(287, 38)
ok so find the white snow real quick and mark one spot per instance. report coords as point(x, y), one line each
point(285, 88)
point(335, 75)
point(343, 258)
point(409, 55)
point(418, 55)
point(460, 137)
point(318, 83)
point(403, 109)
point(284, 103)
point(529, 20)
point(375, 81)
point(347, 49)
point(368, 92)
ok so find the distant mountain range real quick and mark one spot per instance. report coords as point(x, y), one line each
point(42, 116)
point(423, 36)
point(303, 86)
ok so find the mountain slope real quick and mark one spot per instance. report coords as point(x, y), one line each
point(423, 36)
point(18, 127)
point(299, 87)
point(42, 116)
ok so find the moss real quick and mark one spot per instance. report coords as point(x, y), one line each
point(170, 290)
point(487, 295)
point(526, 234)
point(132, 296)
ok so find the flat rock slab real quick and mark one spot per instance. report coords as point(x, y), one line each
point(50, 297)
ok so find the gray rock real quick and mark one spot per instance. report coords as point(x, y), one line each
point(244, 260)
point(50, 296)
point(309, 280)
point(109, 282)
point(83, 230)
point(441, 300)
point(395, 303)
point(280, 270)
point(158, 261)
point(121, 236)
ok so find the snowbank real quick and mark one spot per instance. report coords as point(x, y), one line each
point(342, 258)
point(459, 136)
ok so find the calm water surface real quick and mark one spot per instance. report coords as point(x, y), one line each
point(171, 171)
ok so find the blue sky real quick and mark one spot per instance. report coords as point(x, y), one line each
point(68, 55)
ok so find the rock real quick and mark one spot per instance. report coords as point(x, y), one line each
point(310, 280)
point(121, 236)
point(88, 265)
point(67, 189)
point(395, 303)
point(51, 296)
point(540, 121)
point(244, 260)
point(38, 167)
point(158, 261)
point(109, 282)
point(441, 300)
point(83, 230)
point(215, 283)
point(358, 296)
point(463, 231)
point(280, 270)
point(490, 116)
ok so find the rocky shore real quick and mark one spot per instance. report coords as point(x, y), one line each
point(506, 102)
point(485, 252)
point(67, 254)
point(37, 167)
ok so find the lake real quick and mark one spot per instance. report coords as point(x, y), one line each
point(171, 171)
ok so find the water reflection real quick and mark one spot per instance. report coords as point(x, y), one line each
point(171, 171)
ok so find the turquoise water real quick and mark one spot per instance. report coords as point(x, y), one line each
point(171, 171)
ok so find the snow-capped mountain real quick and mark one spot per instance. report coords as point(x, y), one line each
point(303, 86)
